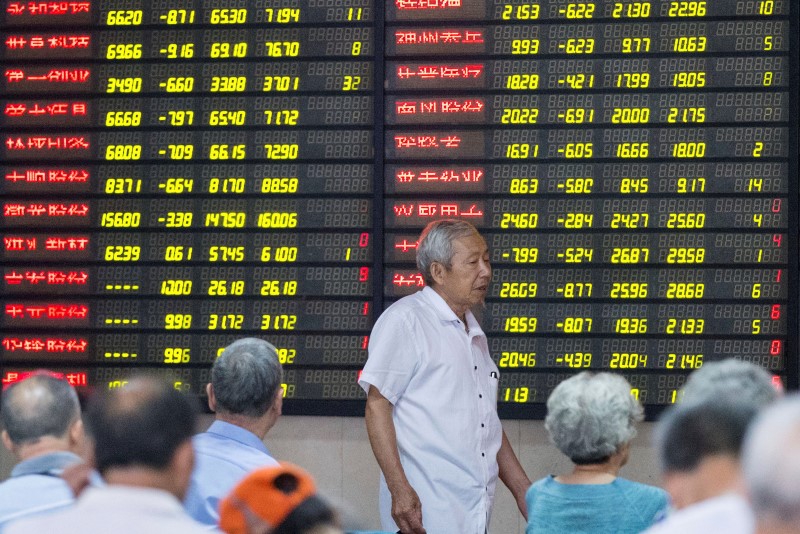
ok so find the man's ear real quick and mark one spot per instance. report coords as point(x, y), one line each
point(181, 466)
point(7, 443)
point(183, 458)
point(76, 433)
point(678, 485)
point(212, 399)
point(437, 272)
point(277, 404)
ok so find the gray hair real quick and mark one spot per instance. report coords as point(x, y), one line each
point(771, 462)
point(436, 244)
point(590, 416)
point(688, 433)
point(246, 377)
point(747, 380)
point(39, 406)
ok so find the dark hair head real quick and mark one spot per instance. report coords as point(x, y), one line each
point(246, 377)
point(310, 513)
point(689, 433)
point(140, 424)
point(39, 406)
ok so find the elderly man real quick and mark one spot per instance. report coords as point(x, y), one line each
point(42, 426)
point(143, 449)
point(771, 466)
point(699, 445)
point(432, 395)
point(699, 442)
point(246, 394)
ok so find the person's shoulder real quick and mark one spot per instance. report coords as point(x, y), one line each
point(188, 525)
point(640, 487)
point(711, 515)
point(25, 526)
point(644, 491)
point(409, 311)
point(544, 481)
point(215, 453)
point(409, 304)
point(44, 522)
point(8, 486)
point(651, 501)
point(31, 495)
point(543, 484)
point(729, 507)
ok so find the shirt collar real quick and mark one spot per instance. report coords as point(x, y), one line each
point(149, 500)
point(237, 433)
point(446, 313)
point(46, 464)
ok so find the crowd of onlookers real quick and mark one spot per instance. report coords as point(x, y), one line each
point(729, 450)
point(729, 454)
point(131, 462)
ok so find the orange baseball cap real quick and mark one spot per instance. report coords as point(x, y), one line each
point(269, 494)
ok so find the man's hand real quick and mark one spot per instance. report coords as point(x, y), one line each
point(406, 506)
point(513, 475)
point(407, 511)
point(78, 477)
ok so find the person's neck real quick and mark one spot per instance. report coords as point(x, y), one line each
point(590, 474)
point(257, 425)
point(45, 445)
point(460, 311)
point(773, 527)
point(718, 475)
point(141, 477)
point(600, 473)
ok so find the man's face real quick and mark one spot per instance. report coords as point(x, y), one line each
point(465, 284)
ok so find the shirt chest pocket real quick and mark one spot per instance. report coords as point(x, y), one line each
point(493, 387)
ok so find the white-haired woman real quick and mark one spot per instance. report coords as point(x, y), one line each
point(591, 418)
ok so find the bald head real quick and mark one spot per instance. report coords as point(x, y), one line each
point(139, 425)
point(38, 407)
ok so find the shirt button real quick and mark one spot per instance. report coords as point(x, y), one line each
point(482, 425)
point(476, 367)
point(480, 396)
point(483, 454)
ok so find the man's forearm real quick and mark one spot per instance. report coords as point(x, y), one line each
point(383, 439)
point(512, 474)
point(406, 506)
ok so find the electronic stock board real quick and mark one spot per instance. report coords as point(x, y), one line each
point(176, 174)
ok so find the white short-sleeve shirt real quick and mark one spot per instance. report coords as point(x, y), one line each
point(729, 513)
point(443, 385)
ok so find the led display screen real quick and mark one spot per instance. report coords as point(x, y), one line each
point(178, 174)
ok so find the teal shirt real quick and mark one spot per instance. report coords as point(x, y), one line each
point(619, 507)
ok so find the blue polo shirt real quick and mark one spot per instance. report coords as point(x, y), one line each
point(224, 454)
point(35, 487)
